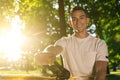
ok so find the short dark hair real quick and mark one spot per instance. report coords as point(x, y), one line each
point(78, 8)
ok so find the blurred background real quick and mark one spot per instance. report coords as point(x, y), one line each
point(28, 26)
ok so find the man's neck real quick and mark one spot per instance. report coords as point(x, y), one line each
point(81, 35)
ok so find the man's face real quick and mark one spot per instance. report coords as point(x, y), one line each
point(79, 21)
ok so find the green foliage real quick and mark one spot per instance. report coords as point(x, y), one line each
point(42, 20)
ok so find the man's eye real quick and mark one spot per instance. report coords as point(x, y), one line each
point(73, 19)
point(81, 17)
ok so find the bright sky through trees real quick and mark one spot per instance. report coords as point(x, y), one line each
point(11, 41)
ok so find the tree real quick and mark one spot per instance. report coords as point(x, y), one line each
point(62, 22)
point(45, 22)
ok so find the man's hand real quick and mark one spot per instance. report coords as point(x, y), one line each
point(48, 55)
point(44, 58)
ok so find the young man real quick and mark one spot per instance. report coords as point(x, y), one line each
point(82, 54)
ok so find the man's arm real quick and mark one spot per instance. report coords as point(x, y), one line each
point(48, 55)
point(55, 49)
point(101, 70)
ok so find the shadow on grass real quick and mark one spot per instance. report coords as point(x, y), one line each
point(113, 77)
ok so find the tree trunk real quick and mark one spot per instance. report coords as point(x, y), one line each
point(62, 18)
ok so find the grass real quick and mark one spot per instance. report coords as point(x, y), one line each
point(112, 76)
point(18, 72)
point(116, 73)
point(22, 75)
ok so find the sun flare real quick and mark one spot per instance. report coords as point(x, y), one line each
point(11, 41)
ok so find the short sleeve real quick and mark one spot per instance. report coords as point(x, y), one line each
point(102, 51)
point(61, 42)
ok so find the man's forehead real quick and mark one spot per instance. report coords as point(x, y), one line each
point(79, 16)
point(78, 12)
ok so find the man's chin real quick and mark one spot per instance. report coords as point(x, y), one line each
point(78, 31)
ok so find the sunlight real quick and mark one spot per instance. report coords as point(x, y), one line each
point(11, 41)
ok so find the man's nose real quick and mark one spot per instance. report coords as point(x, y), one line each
point(78, 21)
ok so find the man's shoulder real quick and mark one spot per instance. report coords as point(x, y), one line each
point(97, 39)
point(66, 37)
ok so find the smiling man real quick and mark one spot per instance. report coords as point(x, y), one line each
point(83, 55)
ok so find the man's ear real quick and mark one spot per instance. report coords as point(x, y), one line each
point(70, 23)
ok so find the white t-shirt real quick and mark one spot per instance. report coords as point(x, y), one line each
point(79, 55)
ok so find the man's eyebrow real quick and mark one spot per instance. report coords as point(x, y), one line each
point(80, 16)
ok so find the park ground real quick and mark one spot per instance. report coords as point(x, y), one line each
point(111, 76)
point(114, 75)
